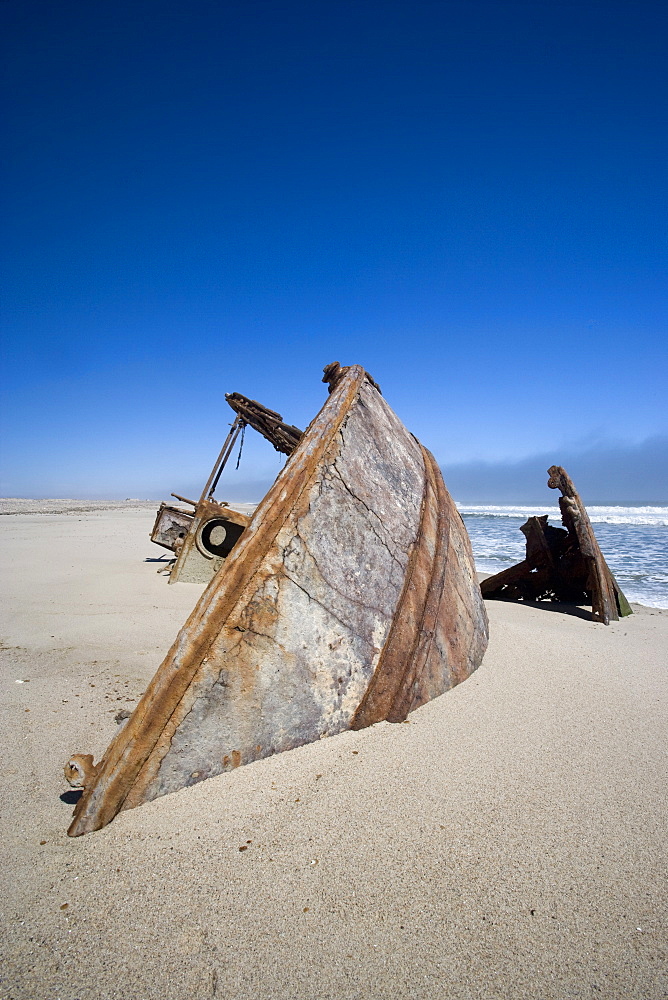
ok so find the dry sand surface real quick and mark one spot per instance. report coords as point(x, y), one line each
point(509, 841)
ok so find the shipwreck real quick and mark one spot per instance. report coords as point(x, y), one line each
point(349, 598)
point(562, 564)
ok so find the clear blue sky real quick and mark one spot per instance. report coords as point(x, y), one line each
point(203, 196)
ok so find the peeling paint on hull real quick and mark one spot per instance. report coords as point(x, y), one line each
point(350, 598)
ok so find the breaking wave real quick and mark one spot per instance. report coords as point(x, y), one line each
point(597, 515)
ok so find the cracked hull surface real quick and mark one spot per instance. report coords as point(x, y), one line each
point(315, 617)
point(289, 638)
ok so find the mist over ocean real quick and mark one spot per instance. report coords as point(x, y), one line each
point(634, 541)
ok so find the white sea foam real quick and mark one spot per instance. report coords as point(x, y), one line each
point(597, 515)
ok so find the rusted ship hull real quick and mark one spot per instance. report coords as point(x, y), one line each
point(350, 598)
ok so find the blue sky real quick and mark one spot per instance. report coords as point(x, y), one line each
point(201, 197)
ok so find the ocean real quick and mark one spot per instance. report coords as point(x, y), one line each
point(634, 541)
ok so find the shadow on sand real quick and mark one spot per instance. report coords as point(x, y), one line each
point(564, 609)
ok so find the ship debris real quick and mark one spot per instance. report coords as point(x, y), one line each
point(562, 564)
point(203, 537)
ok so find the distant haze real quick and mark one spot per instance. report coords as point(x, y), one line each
point(605, 474)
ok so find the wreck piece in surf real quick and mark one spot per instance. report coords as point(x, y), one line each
point(350, 598)
point(562, 564)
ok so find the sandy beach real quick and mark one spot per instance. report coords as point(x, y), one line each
point(509, 840)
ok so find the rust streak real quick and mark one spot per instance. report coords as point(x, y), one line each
point(392, 688)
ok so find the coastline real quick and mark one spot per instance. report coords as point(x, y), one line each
point(20, 505)
point(507, 842)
